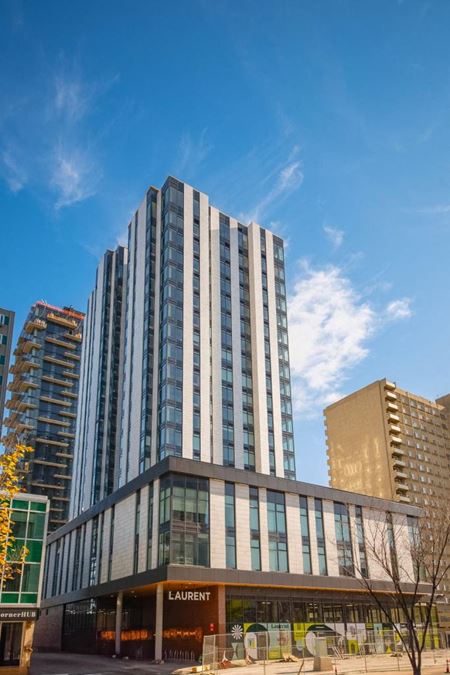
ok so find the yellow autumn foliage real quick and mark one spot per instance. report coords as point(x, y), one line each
point(10, 559)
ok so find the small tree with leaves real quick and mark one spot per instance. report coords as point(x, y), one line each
point(11, 558)
point(415, 561)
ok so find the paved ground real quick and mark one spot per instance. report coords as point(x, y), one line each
point(62, 663)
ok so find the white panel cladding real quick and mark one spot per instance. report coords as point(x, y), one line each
point(243, 552)
point(143, 522)
point(403, 547)
point(216, 390)
point(64, 562)
point(205, 331)
point(155, 529)
point(264, 531)
point(137, 336)
point(274, 362)
point(330, 538)
point(258, 357)
point(294, 534)
point(375, 537)
point(313, 536)
point(122, 562)
point(154, 439)
point(188, 348)
point(217, 520)
point(50, 552)
point(236, 346)
point(85, 559)
point(103, 572)
point(120, 382)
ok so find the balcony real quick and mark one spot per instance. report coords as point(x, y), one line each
point(404, 499)
point(59, 342)
point(389, 385)
point(35, 324)
point(398, 463)
point(394, 429)
point(401, 487)
point(61, 320)
point(392, 407)
point(396, 440)
point(58, 362)
point(50, 420)
point(390, 396)
point(56, 401)
point(74, 336)
point(49, 441)
point(393, 418)
point(397, 451)
point(401, 475)
point(57, 380)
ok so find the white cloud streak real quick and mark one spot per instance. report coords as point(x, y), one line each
point(74, 178)
point(13, 171)
point(330, 326)
point(335, 236)
point(288, 179)
point(192, 153)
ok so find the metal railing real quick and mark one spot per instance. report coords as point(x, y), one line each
point(309, 648)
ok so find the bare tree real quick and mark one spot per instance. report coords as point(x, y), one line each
point(414, 561)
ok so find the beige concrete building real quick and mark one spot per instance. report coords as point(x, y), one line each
point(386, 442)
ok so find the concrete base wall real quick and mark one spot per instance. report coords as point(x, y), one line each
point(48, 630)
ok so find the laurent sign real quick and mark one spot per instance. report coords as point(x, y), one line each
point(199, 596)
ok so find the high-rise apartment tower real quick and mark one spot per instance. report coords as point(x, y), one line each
point(43, 403)
point(204, 370)
point(387, 442)
point(6, 335)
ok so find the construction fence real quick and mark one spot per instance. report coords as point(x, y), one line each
point(291, 651)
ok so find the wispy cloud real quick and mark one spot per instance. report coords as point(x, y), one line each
point(286, 179)
point(12, 170)
point(55, 151)
point(74, 178)
point(191, 153)
point(330, 327)
point(399, 309)
point(335, 236)
point(436, 209)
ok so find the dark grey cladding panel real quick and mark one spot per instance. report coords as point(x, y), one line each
point(191, 574)
point(226, 473)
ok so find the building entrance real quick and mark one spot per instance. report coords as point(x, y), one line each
point(10, 644)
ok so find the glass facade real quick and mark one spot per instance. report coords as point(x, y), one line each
point(283, 359)
point(306, 542)
point(320, 534)
point(230, 526)
point(276, 522)
point(255, 537)
point(184, 521)
point(360, 538)
point(227, 342)
point(246, 352)
point(171, 321)
point(343, 539)
point(28, 530)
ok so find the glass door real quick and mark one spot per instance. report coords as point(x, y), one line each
point(10, 644)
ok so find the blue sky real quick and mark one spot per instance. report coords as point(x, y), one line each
point(327, 121)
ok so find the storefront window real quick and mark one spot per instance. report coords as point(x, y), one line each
point(343, 539)
point(184, 521)
point(276, 519)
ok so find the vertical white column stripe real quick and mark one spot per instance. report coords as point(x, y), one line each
point(313, 536)
point(155, 528)
point(205, 334)
point(217, 449)
point(294, 534)
point(243, 551)
point(264, 530)
point(217, 531)
point(258, 357)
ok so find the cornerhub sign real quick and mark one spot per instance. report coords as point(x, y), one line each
point(198, 596)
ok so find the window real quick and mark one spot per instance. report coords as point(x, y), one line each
point(304, 527)
point(276, 520)
point(390, 535)
point(184, 521)
point(255, 542)
point(364, 569)
point(150, 527)
point(320, 531)
point(230, 526)
point(343, 539)
point(137, 520)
